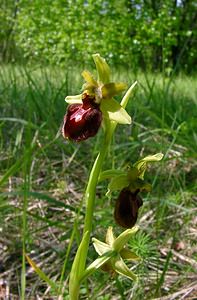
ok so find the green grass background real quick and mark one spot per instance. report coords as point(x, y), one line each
point(43, 177)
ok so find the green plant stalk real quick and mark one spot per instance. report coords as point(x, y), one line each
point(90, 203)
point(92, 183)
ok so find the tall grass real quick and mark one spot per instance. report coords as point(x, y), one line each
point(42, 178)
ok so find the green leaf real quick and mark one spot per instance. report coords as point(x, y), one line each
point(78, 267)
point(112, 89)
point(42, 275)
point(102, 67)
point(121, 268)
point(114, 111)
point(118, 183)
point(74, 99)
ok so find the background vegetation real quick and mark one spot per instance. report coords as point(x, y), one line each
point(45, 45)
point(152, 35)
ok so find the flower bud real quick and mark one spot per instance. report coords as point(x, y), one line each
point(126, 208)
point(82, 120)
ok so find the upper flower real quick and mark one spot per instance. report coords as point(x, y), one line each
point(96, 104)
point(82, 120)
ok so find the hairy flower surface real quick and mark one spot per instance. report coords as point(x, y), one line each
point(82, 120)
point(126, 208)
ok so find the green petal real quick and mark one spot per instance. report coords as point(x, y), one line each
point(110, 236)
point(89, 78)
point(112, 89)
point(129, 255)
point(121, 268)
point(102, 67)
point(114, 111)
point(74, 99)
point(151, 158)
point(118, 183)
point(100, 247)
point(141, 165)
point(123, 238)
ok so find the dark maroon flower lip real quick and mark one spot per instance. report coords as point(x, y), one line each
point(82, 120)
point(126, 208)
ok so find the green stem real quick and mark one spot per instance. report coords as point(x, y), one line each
point(81, 255)
point(91, 187)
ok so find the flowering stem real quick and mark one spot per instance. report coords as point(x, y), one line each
point(78, 266)
point(91, 187)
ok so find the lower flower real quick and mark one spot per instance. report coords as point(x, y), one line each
point(113, 252)
point(82, 120)
point(126, 208)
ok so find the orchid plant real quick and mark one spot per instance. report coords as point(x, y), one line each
point(86, 113)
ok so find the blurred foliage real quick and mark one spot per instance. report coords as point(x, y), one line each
point(150, 34)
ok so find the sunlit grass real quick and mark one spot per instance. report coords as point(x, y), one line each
point(42, 180)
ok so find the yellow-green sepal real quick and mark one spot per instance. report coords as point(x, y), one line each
point(97, 263)
point(89, 78)
point(113, 111)
point(100, 247)
point(110, 238)
point(112, 89)
point(117, 183)
point(123, 238)
point(129, 255)
point(121, 268)
point(102, 67)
